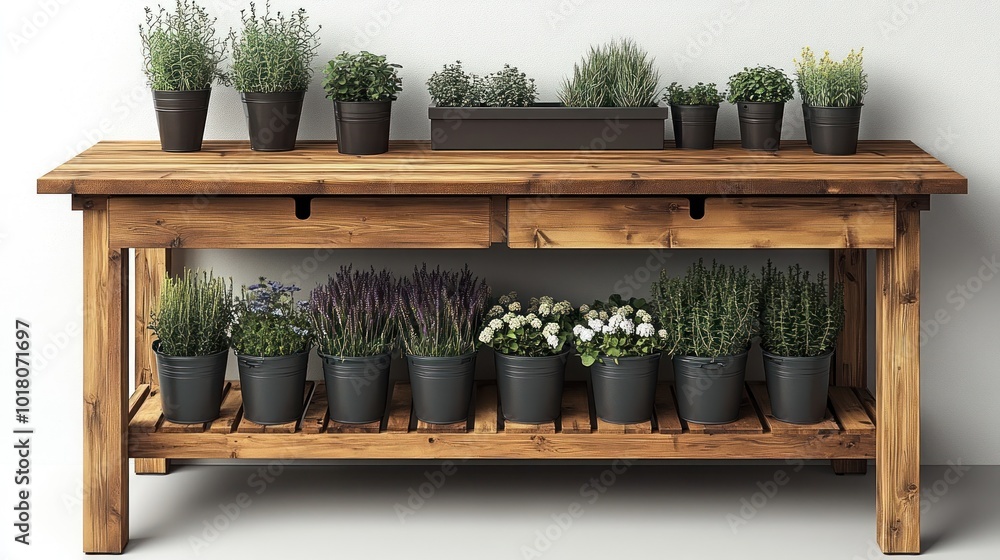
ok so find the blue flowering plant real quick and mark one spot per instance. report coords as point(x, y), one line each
point(354, 313)
point(270, 322)
point(616, 329)
point(538, 329)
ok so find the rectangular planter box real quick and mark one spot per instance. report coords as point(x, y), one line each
point(547, 127)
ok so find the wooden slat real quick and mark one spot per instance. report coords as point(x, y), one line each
point(521, 428)
point(486, 409)
point(849, 411)
point(665, 410)
point(575, 417)
point(151, 265)
point(850, 365)
point(340, 428)
point(231, 411)
point(247, 427)
point(317, 413)
point(147, 419)
point(341, 222)
point(759, 392)
point(400, 409)
point(169, 427)
point(498, 219)
point(136, 400)
point(728, 223)
point(867, 401)
point(747, 423)
point(605, 427)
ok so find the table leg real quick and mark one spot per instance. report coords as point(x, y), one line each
point(150, 267)
point(897, 452)
point(850, 368)
point(105, 360)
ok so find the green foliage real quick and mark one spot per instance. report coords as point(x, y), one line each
point(708, 313)
point(540, 329)
point(799, 317)
point(269, 322)
point(616, 329)
point(825, 83)
point(701, 94)
point(274, 52)
point(180, 49)
point(452, 86)
point(617, 74)
point(362, 77)
point(193, 315)
point(761, 84)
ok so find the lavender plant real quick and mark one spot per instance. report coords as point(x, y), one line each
point(799, 317)
point(193, 315)
point(538, 329)
point(180, 49)
point(440, 312)
point(274, 52)
point(354, 313)
point(269, 322)
point(616, 329)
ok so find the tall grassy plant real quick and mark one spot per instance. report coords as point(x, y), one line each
point(269, 322)
point(440, 313)
point(800, 317)
point(354, 313)
point(827, 83)
point(180, 49)
point(193, 315)
point(617, 74)
point(710, 312)
point(274, 52)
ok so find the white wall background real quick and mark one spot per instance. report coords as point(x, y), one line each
point(72, 77)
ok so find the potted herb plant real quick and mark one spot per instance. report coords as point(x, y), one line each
point(191, 323)
point(708, 317)
point(803, 68)
point(182, 57)
point(439, 316)
point(362, 87)
point(609, 102)
point(835, 93)
point(354, 319)
point(695, 112)
point(530, 349)
point(760, 95)
point(799, 323)
point(271, 70)
point(271, 338)
point(621, 345)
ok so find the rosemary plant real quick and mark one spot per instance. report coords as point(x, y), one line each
point(617, 74)
point(763, 84)
point(180, 49)
point(269, 322)
point(440, 312)
point(274, 52)
point(354, 313)
point(362, 77)
point(538, 329)
point(194, 314)
point(708, 313)
point(826, 83)
point(799, 317)
point(700, 94)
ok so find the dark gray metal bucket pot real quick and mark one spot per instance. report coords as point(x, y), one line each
point(835, 130)
point(180, 117)
point(356, 388)
point(362, 126)
point(709, 390)
point(531, 388)
point(273, 119)
point(806, 123)
point(273, 388)
point(694, 126)
point(798, 387)
point(191, 386)
point(442, 387)
point(760, 125)
point(624, 392)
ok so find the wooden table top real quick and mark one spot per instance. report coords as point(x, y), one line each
point(412, 168)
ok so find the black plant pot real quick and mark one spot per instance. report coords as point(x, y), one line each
point(798, 387)
point(806, 118)
point(694, 126)
point(624, 392)
point(531, 388)
point(442, 387)
point(191, 386)
point(709, 390)
point(362, 126)
point(180, 116)
point(273, 119)
point(356, 388)
point(760, 125)
point(273, 388)
point(835, 130)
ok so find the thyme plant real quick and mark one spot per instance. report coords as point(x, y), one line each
point(180, 49)
point(826, 83)
point(799, 317)
point(362, 77)
point(710, 312)
point(507, 88)
point(269, 322)
point(700, 94)
point(453, 87)
point(274, 52)
point(354, 313)
point(763, 84)
point(538, 329)
point(440, 313)
point(617, 74)
point(193, 315)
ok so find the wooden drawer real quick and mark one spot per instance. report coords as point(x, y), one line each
point(331, 222)
point(728, 222)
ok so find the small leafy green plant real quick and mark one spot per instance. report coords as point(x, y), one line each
point(180, 49)
point(269, 322)
point(536, 330)
point(710, 312)
point(762, 84)
point(274, 53)
point(799, 317)
point(616, 330)
point(700, 94)
point(617, 74)
point(362, 77)
point(452, 86)
point(194, 314)
point(827, 83)
point(354, 313)
point(440, 313)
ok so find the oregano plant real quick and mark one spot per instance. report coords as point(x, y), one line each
point(762, 84)
point(700, 94)
point(362, 77)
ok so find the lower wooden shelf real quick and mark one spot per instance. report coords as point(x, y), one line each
point(848, 431)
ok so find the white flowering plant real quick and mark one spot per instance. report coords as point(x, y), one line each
point(616, 329)
point(539, 329)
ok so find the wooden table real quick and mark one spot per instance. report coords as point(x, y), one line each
point(134, 196)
